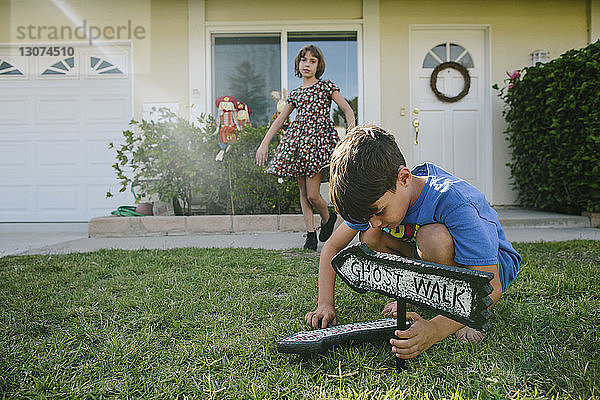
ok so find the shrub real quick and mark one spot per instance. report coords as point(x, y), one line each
point(176, 159)
point(254, 191)
point(167, 158)
point(553, 127)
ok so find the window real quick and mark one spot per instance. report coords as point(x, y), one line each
point(248, 67)
point(340, 52)
point(447, 52)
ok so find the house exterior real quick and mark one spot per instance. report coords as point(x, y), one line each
point(73, 73)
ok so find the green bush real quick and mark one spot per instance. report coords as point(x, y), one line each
point(176, 159)
point(553, 127)
point(254, 191)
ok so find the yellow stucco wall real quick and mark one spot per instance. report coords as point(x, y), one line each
point(594, 9)
point(160, 54)
point(5, 21)
point(274, 10)
point(166, 80)
point(517, 28)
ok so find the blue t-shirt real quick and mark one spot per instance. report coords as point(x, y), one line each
point(474, 225)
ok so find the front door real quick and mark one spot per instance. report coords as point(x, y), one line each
point(451, 128)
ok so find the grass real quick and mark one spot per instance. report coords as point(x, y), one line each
point(202, 323)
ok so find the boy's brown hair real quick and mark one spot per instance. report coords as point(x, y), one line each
point(364, 166)
point(315, 51)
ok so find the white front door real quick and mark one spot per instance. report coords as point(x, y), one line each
point(454, 135)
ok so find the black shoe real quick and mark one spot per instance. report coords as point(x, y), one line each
point(327, 229)
point(311, 241)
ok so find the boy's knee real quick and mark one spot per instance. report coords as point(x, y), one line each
point(435, 244)
point(373, 238)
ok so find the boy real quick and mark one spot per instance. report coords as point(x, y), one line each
point(425, 213)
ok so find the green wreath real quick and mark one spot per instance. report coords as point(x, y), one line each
point(466, 79)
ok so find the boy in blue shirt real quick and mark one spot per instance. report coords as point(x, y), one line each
point(425, 213)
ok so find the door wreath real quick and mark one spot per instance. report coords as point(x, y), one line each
point(466, 81)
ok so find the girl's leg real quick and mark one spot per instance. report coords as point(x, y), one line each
point(313, 193)
point(307, 211)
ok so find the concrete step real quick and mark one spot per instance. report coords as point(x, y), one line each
point(513, 217)
point(510, 217)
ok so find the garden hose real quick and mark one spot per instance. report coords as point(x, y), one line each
point(127, 211)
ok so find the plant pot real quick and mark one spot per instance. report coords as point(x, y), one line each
point(594, 218)
point(144, 208)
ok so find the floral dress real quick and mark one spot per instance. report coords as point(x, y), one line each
point(306, 147)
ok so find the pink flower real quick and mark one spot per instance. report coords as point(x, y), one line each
point(515, 74)
point(511, 86)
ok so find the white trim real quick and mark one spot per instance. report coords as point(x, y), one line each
point(288, 23)
point(487, 137)
point(371, 61)
point(284, 63)
point(196, 53)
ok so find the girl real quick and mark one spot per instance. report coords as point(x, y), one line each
point(305, 148)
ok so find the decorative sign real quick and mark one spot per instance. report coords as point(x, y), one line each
point(461, 294)
point(320, 340)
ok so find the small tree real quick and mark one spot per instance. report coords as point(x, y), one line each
point(553, 127)
point(176, 159)
point(169, 158)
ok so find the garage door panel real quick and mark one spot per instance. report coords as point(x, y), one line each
point(62, 198)
point(58, 110)
point(98, 203)
point(14, 110)
point(16, 199)
point(106, 110)
point(58, 154)
point(13, 155)
point(99, 156)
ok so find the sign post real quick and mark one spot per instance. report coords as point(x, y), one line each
point(400, 324)
point(461, 294)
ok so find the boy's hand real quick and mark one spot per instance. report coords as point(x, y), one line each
point(416, 339)
point(323, 314)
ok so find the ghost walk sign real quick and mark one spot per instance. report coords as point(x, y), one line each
point(461, 294)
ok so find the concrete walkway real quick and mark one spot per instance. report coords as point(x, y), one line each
point(46, 238)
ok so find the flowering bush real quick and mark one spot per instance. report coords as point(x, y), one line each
point(553, 127)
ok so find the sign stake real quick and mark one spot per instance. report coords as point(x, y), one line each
point(400, 325)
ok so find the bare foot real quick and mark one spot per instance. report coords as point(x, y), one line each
point(467, 334)
point(391, 308)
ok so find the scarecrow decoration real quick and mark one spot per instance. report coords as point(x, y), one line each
point(281, 101)
point(243, 116)
point(227, 123)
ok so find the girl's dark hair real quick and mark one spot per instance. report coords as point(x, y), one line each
point(315, 51)
point(364, 166)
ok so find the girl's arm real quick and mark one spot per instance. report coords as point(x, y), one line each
point(345, 107)
point(263, 150)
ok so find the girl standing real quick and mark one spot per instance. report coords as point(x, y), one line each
point(305, 148)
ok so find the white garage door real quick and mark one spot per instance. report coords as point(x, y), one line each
point(57, 115)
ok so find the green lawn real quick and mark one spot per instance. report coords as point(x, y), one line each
point(202, 323)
